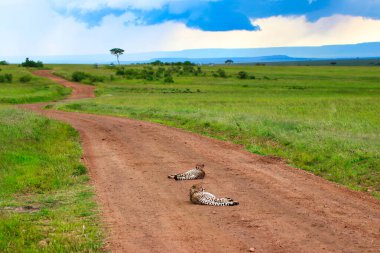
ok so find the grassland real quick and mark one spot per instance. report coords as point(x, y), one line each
point(321, 119)
point(36, 90)
point(46, 203)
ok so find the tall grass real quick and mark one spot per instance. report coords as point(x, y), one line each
point(45, 202)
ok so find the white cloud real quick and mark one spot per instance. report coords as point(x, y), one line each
point(91, 5)
point(37, 30)
point(280, 31)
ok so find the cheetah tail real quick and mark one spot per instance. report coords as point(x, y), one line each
point(172, 176)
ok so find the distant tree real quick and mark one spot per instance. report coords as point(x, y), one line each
point(229, 62)
point(3, 63)
point(333, 63)
point(32, 64)
point(117, 52)
point(157, 63)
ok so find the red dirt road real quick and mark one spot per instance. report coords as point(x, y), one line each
point(282, 209)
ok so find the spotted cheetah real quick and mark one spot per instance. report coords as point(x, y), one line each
point(196, 173)
point(199, 196)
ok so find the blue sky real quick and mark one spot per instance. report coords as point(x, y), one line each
point(56, 27)
point(222, 15)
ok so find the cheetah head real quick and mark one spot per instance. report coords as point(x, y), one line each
point(196, 188)
point(199, 166)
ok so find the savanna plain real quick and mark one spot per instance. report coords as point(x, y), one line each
point(323, 119)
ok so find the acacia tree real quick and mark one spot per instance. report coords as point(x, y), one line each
point(117, 52)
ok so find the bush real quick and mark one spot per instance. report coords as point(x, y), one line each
point(4, 63)
point(32, 64)
point(222, 73)
point(243, 75)
point(25, 79)
point(168, 79)
point(95, 79)
point(132, 73)
point(120, 72)
point(160, 71)
point(148, 73)
point(188, 69)
point(78, 76)
point(6, 78)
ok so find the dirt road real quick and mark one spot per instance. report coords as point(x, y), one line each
point(281, 209)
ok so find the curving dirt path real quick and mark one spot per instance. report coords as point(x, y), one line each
point(282, 209)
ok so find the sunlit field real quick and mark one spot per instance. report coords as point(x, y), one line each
point(321, 119)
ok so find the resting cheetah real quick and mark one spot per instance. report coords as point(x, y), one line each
point(196, 173)
point(198, 195)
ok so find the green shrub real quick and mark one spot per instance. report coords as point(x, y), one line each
point(160, 71)
point(132, 73)
point(25, 78)
point(222, 73)
point(120, 72)
point(188, 69)
point(78, 76)
point(95, 79)
point(6, 78)
point(83, 77)
point(4, 63)
point(168, 79)
point(243, 75)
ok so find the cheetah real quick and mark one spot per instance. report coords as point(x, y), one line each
point(196, 173)
point(199, 196)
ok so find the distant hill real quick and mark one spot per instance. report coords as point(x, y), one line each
point(362, 50)
point(236, 60)
point(214, 55)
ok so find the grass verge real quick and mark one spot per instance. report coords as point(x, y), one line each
point(46, 204)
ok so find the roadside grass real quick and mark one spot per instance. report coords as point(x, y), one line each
point(321, 119)
point(36, 90)
point(46, 204)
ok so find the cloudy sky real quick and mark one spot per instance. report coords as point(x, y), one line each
point(77, 27)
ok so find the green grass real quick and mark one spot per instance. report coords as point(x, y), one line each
point(37, 90)
point(40, 168)
point(321, 119)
